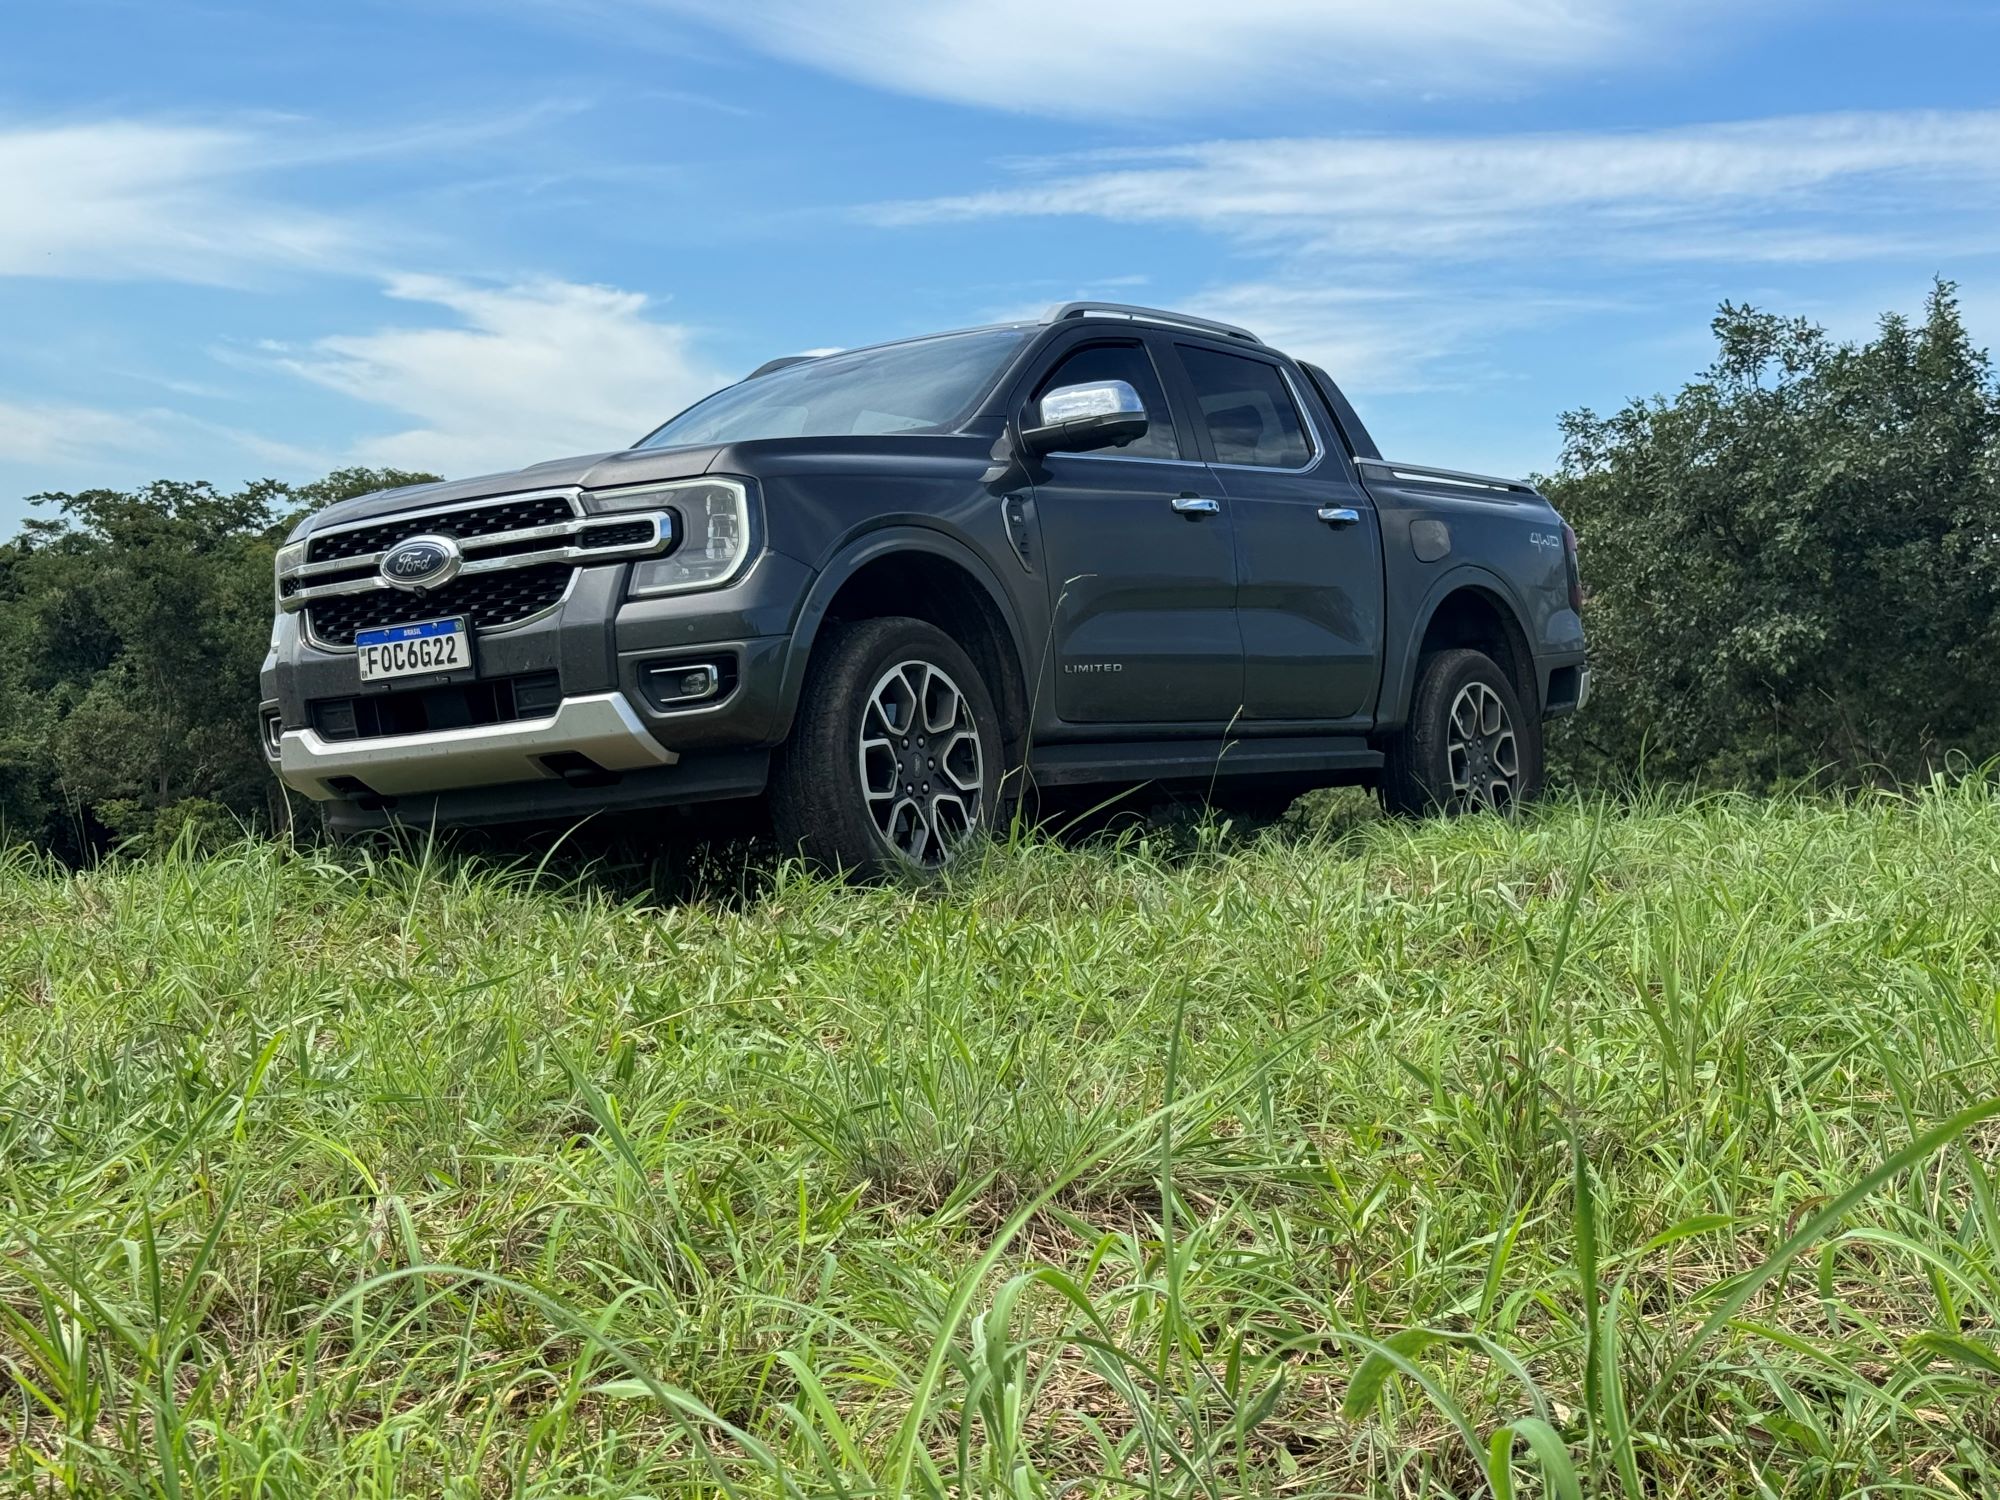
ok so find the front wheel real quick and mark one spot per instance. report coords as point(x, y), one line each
point(895, 757)
point(1467, 746)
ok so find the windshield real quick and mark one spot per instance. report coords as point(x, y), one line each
point(917, 386)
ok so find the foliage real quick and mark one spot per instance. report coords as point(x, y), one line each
point(1794, 565)
point(1645, 1152)
point(132, 624)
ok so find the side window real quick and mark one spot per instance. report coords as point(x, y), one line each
point(1132, 364)
point(1249, 410)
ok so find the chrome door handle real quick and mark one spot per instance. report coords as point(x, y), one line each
point(1196, 505)
point(1339, 515)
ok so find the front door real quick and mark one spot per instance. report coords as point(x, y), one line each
point(1141, 561)
point(1308, 545)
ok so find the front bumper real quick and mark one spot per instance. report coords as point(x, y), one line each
point(601, 727)
point(603, 737)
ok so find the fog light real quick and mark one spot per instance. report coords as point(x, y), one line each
point(274, 733)
point(677, 683)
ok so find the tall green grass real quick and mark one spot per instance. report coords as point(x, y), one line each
point(1638, 1150)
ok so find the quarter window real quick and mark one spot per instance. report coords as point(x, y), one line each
point(1248, 409)
point(1133, 365)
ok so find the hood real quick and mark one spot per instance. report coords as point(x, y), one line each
point(591, 471)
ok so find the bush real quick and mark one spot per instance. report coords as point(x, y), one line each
point(1793, 565)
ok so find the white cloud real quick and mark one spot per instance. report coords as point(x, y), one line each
point(204, 202)
point(46, 433)
point(1058, 57)
point(1825, 187)
point(136, 199)
point(527, 372)
point(1386, 340)
point(68, 435)
point(1407, 264)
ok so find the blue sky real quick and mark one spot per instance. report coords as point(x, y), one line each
point(242, 239)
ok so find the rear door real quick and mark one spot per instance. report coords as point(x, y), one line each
point(1143, 594)
point(1308, 544)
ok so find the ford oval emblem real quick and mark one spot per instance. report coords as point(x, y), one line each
point(421, 562)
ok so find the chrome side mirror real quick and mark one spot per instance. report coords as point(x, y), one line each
point(1077, 418)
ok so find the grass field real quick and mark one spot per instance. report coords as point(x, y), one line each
point(1618, 1151)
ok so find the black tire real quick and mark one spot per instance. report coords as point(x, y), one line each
point(1435, 765)
point(822, 805)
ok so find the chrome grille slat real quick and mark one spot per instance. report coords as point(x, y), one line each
point(349, 564)
point(299, 593)
point(469, 519)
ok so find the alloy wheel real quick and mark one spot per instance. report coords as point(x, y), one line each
point(1483, 752)
point(922, 773)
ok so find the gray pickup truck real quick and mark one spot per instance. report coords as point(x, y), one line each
point(888, 589)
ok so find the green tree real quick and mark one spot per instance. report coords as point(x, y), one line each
point(1793, 565)
point(133, 624)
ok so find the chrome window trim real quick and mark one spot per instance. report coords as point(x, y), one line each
point(1118, 336)
point(1313, 436)
point(1132, 458)
point(1320, 447)
point(1305, 415)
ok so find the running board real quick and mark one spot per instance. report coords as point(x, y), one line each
point(1199, 760)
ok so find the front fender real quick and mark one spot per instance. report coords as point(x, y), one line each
point(857, 554)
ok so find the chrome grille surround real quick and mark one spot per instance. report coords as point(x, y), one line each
point(344, 560)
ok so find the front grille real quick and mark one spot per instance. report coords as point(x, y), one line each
point(628, 535)
point(484, 520)
point(485, 599)
point(520, 553)
point(497, 700)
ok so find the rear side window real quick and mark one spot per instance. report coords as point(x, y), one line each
point(1132, 364)
point(1248, 409)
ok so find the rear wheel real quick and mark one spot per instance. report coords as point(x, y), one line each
point(895, 756)
point(1467, 747)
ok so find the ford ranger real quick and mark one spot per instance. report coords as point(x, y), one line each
point(888, 590)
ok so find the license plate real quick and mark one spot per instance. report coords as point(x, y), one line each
point(429, 648)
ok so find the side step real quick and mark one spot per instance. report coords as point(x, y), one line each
point(1200, 760)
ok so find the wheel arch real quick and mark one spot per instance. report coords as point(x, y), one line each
point(931, 576)
point(1469, 606)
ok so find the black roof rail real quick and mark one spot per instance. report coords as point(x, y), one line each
point(1064, 311)
point(783, 361)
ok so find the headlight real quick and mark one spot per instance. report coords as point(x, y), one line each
point(717, 531)
point(291, 555)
